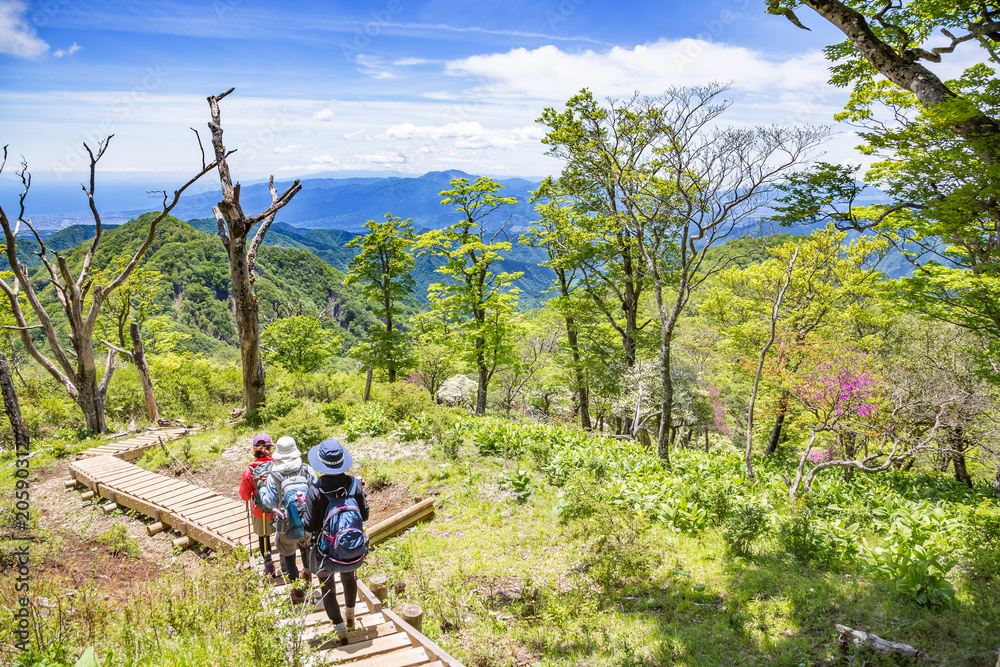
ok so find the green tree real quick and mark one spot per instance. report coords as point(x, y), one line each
point(475, 297)
point(812, 285)
point(672, 185)
point(133, 300)
point(384, 266)
point(937, 149)
point(598, 146)
point(299, 344)
point(556, 232)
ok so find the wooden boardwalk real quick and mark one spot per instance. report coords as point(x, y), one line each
point(198, 514)
point(132, 448)
point(380, 638)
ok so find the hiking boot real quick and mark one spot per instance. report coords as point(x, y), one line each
point(298, 596)
point(349, 617)
point(269, 568)
point(307, 577)
point(341, 631)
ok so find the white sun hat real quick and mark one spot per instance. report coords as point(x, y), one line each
point(287, 457)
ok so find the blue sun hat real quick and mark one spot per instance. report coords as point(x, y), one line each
point(330, 458)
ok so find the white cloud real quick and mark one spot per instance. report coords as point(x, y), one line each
point(404, 62)
point(67, 52)
point(549, 72)
point(326, 160)
point(17, 38)
point(285, 150)
point(387, 157)
point(467, 134)
point(324, 115)
point(358, 135)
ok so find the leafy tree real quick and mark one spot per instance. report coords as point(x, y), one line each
point(476, 298)
point(937, 144)
point(133, 300)
point(383, 265)
point(832, 289)
point(675, 186)
point(299, 344)
point(556, 232)
point(433, 351)
point(598, 145)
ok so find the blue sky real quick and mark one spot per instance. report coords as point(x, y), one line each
point(401, 85)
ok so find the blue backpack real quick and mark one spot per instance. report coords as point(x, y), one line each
point(343, 543)
point(292, 492)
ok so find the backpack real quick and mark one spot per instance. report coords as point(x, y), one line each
point(259, 477)
point(292, 492)
point(342, 544)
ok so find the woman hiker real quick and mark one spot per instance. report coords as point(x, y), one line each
point(262, 447)
point(335, 488)
point(285, 492)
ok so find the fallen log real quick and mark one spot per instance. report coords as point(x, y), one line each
point(849, 636)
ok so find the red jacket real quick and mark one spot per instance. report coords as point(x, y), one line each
point(247, 489)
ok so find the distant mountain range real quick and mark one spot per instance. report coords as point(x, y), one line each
point(323, 203)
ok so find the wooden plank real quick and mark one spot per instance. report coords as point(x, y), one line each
point(188, 508)
point(433, 649)
point(209, 507)
point(399, 658)
point(216, 511)
point(367, 649)
point(170, 498)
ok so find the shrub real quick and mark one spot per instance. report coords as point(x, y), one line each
point(616, 550)
point(278, 405)
point(743, 528)
point(798, 536)
point(365, 419)
point(400, 400)
point(121, 544)
point(980, 542)
point(334, 413)
point(304, 424)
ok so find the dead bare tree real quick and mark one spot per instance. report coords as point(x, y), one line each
point(74, 368)
point(234, 227)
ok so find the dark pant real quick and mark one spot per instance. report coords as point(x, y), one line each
point(289, 565)
point(265, 547)
point(328, 588)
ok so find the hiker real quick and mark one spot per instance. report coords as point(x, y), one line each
point(254, 478)
point(285, 492)
point(335, 508)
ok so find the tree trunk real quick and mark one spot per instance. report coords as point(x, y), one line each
point(91, 402)
point(667, 397)
point(582, 393)
point(139, 359)
point(368, 384)
point(484, 376)
point(245, 302)
point(979, 130)
point(779, 420)
point(961, 472)
point(22, 438)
